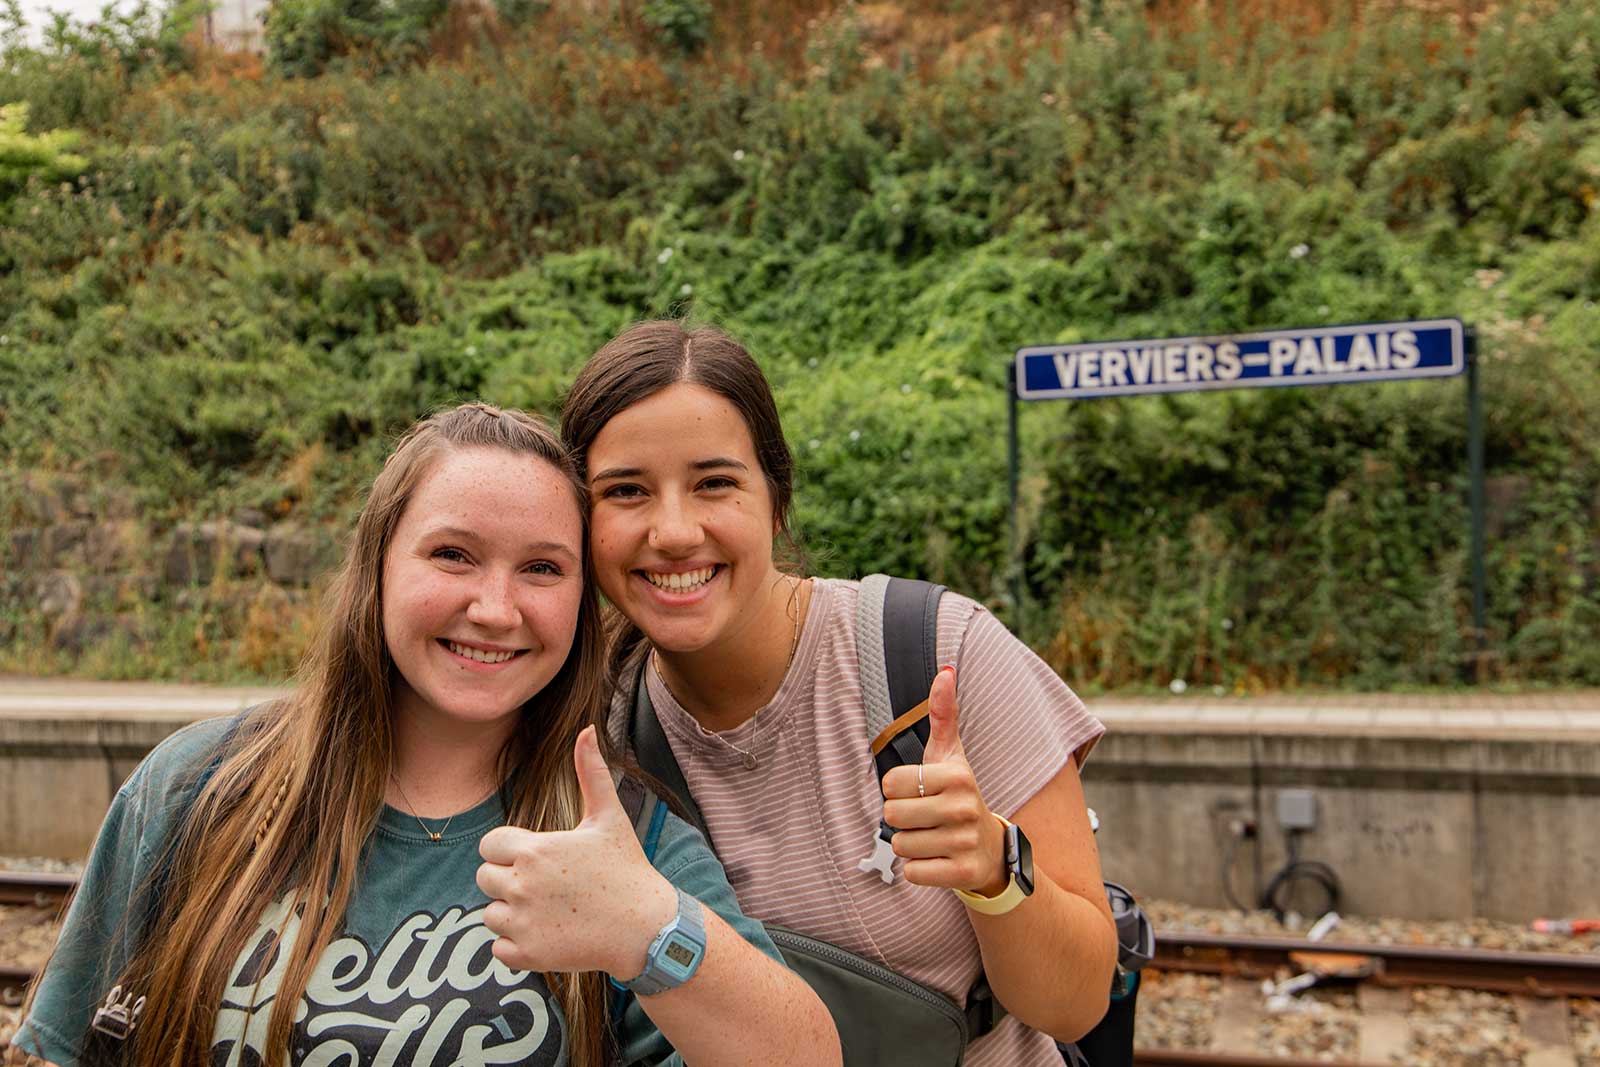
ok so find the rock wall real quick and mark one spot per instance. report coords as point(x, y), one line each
point(77, 561)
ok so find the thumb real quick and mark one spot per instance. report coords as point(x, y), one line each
point(594, 778)
point(944, 736)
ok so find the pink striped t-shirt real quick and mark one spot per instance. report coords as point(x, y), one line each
point(792, 804)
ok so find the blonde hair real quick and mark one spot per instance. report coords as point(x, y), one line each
point(317, 763)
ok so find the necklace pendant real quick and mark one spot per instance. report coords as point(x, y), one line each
point(749, 762)
point(434, 835)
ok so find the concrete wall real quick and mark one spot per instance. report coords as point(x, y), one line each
point(59, 773)
point(1420, 827)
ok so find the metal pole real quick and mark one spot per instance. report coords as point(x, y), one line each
point(1013, 465)
point(1480, 623)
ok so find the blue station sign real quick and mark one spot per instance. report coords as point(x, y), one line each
point(1324, 355)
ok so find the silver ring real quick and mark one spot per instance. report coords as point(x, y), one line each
point(921, 789)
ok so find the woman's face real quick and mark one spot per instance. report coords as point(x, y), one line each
point(481, 585)
point(682, 518)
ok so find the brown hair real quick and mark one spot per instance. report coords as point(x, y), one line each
point(650, 356)
point(318, 762)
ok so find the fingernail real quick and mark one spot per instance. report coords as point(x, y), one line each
point(947, 667)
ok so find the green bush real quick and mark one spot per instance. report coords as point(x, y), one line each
point(683, 24)
point(245, 289)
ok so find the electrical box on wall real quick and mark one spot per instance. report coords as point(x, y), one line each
point(1297, 809)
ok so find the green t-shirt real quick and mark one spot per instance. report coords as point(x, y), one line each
point(411, 981)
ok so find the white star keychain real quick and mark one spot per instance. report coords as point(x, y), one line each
point(881, 860)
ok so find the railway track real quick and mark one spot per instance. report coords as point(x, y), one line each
point(1183, 1058)
point(1531, 973)
point(35, 889)
point(1538, 982)
point(30, 899)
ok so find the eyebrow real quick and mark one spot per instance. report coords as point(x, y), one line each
point(473, 535)
point(714, 463)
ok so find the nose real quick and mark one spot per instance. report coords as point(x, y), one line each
point(493, 607)
point(675, 527)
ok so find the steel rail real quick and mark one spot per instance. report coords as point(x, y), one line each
point(35, 889)
point(14, 985)
point(1535, 973)
point(1164, 1057)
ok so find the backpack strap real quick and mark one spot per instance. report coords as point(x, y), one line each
point(897, 639)
point(897, 629)
point(650, 748)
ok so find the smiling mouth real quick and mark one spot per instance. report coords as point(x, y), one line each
point(683, 581)
point(480, 655)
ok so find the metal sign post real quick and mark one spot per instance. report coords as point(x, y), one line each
point(1321, 355)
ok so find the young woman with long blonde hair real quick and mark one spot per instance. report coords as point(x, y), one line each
point(417, 857)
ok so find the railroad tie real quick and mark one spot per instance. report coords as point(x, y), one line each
point(1239, 1012)
point(1545, 1028)
point(1385, 1034)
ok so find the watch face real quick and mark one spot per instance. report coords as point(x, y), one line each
point(679, 956)
point(1019, 854)
point(680, 953)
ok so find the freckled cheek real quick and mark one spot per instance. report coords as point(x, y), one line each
point(423, 606)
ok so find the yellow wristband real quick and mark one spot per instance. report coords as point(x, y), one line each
point(1009, 897)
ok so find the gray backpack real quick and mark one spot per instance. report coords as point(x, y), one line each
point(884, 1018)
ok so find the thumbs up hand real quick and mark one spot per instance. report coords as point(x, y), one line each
point(946, 833)
point(575, 900)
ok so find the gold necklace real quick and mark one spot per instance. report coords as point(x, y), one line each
point(746, 756)
point(434, 836)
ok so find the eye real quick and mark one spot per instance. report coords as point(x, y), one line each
point(450, 555)
point(719, 481)
point(622, 491)
point(545, 568)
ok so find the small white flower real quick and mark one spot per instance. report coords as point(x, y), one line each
point(1227, 624)
point(855, 435)
point(898, 208)
point(812, 362)
point(1106, 245)
point(685, 289)
point(5, 339)
point(1300, 251)
point(815, 442)
point(472, 350)
point(1323, 309)
point(664, 255)
point(1178, 687)
point(906, 388)
point(738, 155)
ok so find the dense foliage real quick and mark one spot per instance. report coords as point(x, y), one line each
point(259, 277)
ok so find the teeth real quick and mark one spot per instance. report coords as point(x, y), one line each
point(478, 654)
point(683, 582)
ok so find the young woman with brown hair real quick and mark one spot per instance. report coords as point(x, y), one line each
point(755, 678)
point(322, 881)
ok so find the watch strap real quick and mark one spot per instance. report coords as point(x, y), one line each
point(1008, 898)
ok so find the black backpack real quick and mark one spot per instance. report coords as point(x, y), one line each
point(884, 1017)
